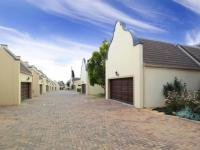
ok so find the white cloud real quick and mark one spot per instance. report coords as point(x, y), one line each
point(54, 57)
point(193, 5)
point(94, 11)
point(193, 37)
point(140, 8)
point(149, 12)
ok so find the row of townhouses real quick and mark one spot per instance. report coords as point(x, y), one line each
point(19, 80)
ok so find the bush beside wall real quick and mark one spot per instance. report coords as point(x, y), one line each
point(180, 101)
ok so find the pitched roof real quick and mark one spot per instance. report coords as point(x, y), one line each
point(193, 51)
point(4, 47)
point(24, 69)
point(167, 55)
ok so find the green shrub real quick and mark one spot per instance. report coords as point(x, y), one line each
point(72, 87)
point(197, 109)
point(177, 86)
point(79, 90)
point(174, 101)
point(179, 100)
point(193, 101)
point(198, 95)
point(166, 110)
point(188, 113)
point(167, 88)
point(175, 93)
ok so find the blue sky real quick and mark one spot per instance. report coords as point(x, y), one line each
point(55, 35)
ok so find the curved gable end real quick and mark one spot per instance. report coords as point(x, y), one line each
point(124, 67)
point(122, 38)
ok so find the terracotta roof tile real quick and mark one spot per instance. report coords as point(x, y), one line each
point(166, 55)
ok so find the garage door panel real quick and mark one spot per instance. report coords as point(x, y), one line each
point(25, 90)
point(83, 88)
point(122, 89)
point(40, 88)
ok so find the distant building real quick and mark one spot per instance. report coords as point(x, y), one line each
point(86, 88)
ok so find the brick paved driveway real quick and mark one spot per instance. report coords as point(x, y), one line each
point(65, 120)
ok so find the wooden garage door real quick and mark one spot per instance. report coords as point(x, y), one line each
point(25, 91)
point(41, 89)
point(83, 88)
point(47, 88)
point(122, 90)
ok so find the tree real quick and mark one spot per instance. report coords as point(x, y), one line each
point(61, 83)
point(68, 83)
point(96, 65)
point(72, 74)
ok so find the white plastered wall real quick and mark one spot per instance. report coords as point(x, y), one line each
point(93, 90)
point(90, 90)
point(77, 84)
point(44, 84)
point(127, 60)
point(35, 83)
point(25, 77)
point(83, 72)
point(57, 87)
point(9, 79)
point(155, 78)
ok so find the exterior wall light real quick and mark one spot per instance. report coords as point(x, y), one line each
point(116, 73)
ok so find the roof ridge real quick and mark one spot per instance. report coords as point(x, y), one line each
point(27, 69)
point(155, 53)
point(191, 46)
point(154, 40)
point(175, 44)
point(193, 57)
point(10, 53)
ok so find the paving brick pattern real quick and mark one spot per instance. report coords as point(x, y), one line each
point(69, 121)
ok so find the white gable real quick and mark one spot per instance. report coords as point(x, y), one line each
point(125, 60)
point(122, 40)
point(83, 72)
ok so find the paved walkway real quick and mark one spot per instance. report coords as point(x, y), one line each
point(65, 120)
